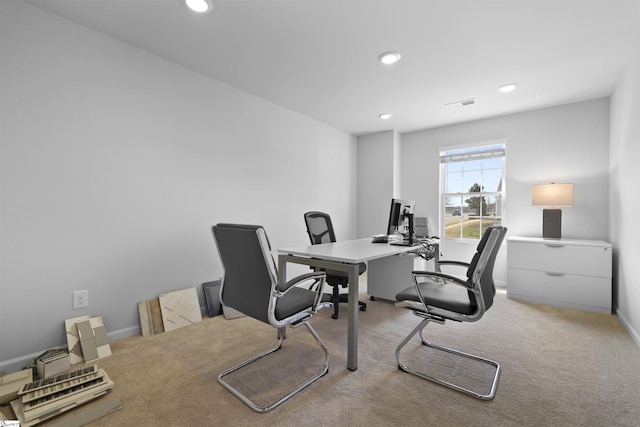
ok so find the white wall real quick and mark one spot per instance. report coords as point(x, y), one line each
point(624, 204)
point(114, 165)
point(568, 143)
point(378, 175)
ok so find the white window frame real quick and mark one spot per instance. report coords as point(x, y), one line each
point(469, 152)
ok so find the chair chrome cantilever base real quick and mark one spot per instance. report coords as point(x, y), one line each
point(281, 337)
point(418, 330)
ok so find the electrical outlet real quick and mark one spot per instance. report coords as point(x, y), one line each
point(80, 299)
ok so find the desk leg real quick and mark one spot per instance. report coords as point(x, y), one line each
point(352, 270)
point(352, 342)
point(282, 270)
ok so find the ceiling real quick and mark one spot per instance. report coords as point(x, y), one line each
point(320, 57)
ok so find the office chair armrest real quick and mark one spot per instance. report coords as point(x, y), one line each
point(454, 263)
point(315, 276)
point(318, 279)
point(454, 279)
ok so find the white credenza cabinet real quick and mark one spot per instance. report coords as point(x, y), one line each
point(564, 272)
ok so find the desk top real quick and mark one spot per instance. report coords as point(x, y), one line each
point(349, 251)
point(559, 242)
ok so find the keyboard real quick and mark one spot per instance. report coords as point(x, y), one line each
point(381, 238)
point(45, 398)
point(402, 243)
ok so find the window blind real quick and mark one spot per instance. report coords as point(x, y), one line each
point(476, 153)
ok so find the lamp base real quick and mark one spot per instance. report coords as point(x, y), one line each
point(551, 223)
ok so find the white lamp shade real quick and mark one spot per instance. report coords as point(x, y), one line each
point(554, 195)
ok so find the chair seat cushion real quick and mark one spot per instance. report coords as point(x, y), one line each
point(340, 278)
point(294, 301)
point(337, 278)
point(448, 297)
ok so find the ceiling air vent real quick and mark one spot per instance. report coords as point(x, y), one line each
point(463, 103)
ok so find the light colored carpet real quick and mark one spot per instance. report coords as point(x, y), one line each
point(560, 367)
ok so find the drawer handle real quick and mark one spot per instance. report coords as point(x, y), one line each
point(551, 245)
point(549, 273)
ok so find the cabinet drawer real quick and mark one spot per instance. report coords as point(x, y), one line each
point(561, 258)
point(568, 290)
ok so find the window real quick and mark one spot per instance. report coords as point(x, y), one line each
point(471, 189)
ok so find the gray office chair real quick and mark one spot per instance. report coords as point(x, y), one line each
point(437, 297)
point(251, 286)
point(320, 230)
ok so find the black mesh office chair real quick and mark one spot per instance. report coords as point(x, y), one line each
point(251, 286)
point(320, 230)
point(438, 297)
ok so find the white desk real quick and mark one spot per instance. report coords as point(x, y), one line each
point(342, 256)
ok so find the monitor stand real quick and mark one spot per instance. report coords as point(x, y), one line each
point(411, 230)
point(411, 240)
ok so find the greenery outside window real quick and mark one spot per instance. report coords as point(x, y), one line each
point(471, 189)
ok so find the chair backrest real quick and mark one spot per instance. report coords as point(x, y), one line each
point(250, 273)
point(485, 261)
point(319, 228)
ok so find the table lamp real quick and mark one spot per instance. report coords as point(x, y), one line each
point(553, 196)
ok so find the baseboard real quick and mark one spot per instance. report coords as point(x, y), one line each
point(124, 333)
point(629, 327)
point(20, 362)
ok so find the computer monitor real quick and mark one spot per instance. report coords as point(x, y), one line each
point(401, 218)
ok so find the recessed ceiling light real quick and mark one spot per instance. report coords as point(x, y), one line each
point(385, 116)
point(389, 58)
point(509, 87)
point(199, 6)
